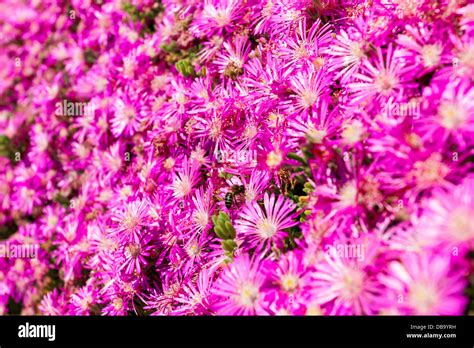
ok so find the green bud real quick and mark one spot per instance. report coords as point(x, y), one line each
point(189, 69)
point(180, 67)
point(229, 245)
point(230, 229)
point(220, 232)
point(229, 258)
point(223, 226)
point(184, 67)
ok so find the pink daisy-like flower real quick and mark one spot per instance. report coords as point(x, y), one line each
point(292, 280)
point(130, 220)
point(133, 255)
point(255, 186)
point(241, 288)
point(118, 306)
point(196, 297)
point(347, 54)
point(232, 61)
point(319, 125)
point(195, 250)
point(310, 88)
point(52, 303)
point(454, 115)
point(286, 15)
point(110, 160)
point(268, 81)
point(306, 48)
point(261, 228)
point(263, 19)
point(446, 219)
point(358, 113)
point(420, 49)
point(185, 179)
point(463, 56)
point(216, 16)
point(425, 284)
point(203, 210)
point(82, 301)
point(128, 115)
point(343, 282)
point(383, 77)
point(467, 13)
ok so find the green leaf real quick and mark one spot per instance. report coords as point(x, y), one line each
point(185, 68)
point(295, 157)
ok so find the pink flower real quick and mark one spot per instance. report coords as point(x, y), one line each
point(291, 279)
point(130, 220)
point(344, 279)
point(310, 89)
point(216, 16)
point(231, 62)
point(263, 228)
point(446, 219)
point(82, 301)
point(133, 255)
point(185, 179)
point(306, 48)
point(241, 288)
point(426, 284)
point(453, 115)
point(196, 298)
point(129, 113)
point(382, 77)
point(332, 139)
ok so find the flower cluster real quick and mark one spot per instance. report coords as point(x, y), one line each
point(237, 157)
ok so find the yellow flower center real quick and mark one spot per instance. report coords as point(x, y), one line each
point(308, 98)
point(353, 132)
point(423, 297)
point(353, 283)
point(130, 221)
point(248, 295)
point(430, 172)
point(117, 303)
point(267, 228)
point(386, 82)
point(274, 159)
point(289, 282)
point(460, 224)
point(452, 115)
point(431, 55)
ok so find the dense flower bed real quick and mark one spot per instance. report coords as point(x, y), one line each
point(236, 157)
